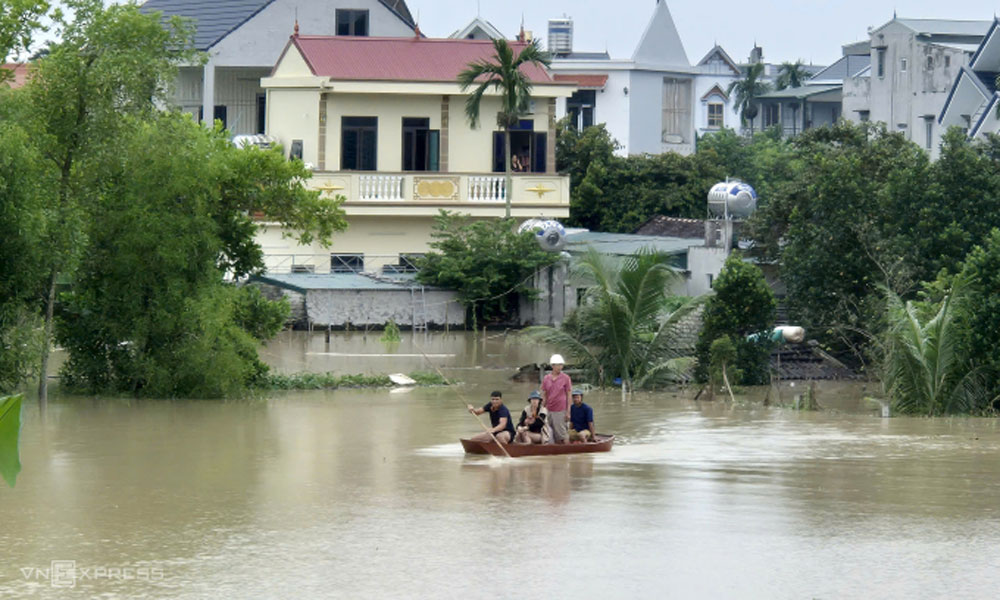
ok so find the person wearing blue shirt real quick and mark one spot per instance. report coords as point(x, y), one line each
point(502, 426)
point(581, 419)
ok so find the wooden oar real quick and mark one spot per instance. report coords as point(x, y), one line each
point(467, 403)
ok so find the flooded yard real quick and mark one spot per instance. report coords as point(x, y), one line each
point(367, 494)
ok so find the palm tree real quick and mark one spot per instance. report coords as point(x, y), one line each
point(502, 73)
point(924, 371)
point(626, 325)
point(746, 91)
point(791, 75)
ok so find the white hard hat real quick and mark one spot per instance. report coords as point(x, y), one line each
point(557, 359)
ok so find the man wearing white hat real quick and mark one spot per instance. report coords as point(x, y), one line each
point(556, 388)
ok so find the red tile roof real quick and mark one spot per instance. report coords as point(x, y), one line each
point(20, 74)
point(589, 82)
point(399, 59)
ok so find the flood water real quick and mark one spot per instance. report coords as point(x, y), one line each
point(367, 494)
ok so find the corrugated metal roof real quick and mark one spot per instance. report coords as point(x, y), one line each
point(675, 227)
point(804, 91)
point(846, 66)
point(625, 243)
point(302, 282)
point(946, 26)
point(400, 59)
point(215, 20)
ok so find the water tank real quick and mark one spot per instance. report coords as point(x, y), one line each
point(734, 199)
point(550, 234)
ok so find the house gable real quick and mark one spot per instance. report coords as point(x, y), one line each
point(660, 44)
point(292, 63)
point(718, 57)
point(715, 91)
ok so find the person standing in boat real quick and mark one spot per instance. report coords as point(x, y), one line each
point(581, 419)
point(502, 425)
point(556, 388)
point(532, 429)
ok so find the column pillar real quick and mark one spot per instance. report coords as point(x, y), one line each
point(208, 93)
point(443, 138)
point(550, 139)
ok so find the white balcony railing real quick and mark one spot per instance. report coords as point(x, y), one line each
point(487, 189)
point(380, 187)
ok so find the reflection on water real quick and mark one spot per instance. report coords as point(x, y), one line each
point(367, 494)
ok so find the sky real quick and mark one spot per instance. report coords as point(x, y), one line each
point(787, 30)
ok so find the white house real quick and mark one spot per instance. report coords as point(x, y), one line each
point(914, 63)
point(656, 101)
point(972, 100)
point(243, 39)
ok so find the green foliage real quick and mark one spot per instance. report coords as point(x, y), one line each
point(791, 75)
point(487, 262)
point(979, 316)
point(619, 194)
point(722, 354)
point(19, 19)
point(746, 90)
point(149, 313)
point(924, 370)
point(10, 430)
point(626, 325)
point(741, 306)
point(391, 332)
point(324, 381)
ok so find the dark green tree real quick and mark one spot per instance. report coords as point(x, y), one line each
point(745, 92)
point(502, 73)
point(149, 313)
point(791, 75)
point(742, 308)
point(486, 261)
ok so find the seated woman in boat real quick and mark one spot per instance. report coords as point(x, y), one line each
point(581, 419)
point(532, 428)
point(502, 426)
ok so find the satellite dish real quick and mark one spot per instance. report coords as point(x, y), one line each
point(550, 234)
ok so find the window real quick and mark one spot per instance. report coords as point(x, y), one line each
point(347, 263)
point(358, 137)
point(261, 112)
point(902, 65)
point(930, 62)
point(421, 145)
point(352, 22)
point(772, 115)
point(580, 108)
point(880, 65)
point(715, 119)
point(676, 111)
point(929, 131)
point(219, 113)
point(407, 264)
point(864, 115)
point(710, 280)
point(947, 61)
point(527, 152)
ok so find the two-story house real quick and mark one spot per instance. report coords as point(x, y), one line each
point(382, 122)
point(243, 38)
point(913, 65)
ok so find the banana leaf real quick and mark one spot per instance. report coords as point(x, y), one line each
point(10, 429)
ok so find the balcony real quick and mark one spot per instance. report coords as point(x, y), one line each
point(424, 193)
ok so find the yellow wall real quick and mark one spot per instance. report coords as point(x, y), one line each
point(380, 238)
point(293, 114)
point(292, 65)
point(390, 110)
point(471, 150)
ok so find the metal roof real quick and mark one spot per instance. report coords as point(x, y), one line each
point(215, 20)
point(801, 92)
point(945, 26)
point(846, 66)
point(303, 282)
point(399, 59)
point(625, 243)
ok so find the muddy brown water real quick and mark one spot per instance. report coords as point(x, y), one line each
point(366, 494)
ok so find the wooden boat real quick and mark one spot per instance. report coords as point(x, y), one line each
point(601, 443)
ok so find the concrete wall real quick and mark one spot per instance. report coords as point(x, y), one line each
point(556, 300)
point(902, 98)
point(259, 41)
point(293, 114)
point(702, 262)
point(369, 307)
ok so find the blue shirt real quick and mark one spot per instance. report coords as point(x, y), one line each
point(495, 416)
point(580, 417)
